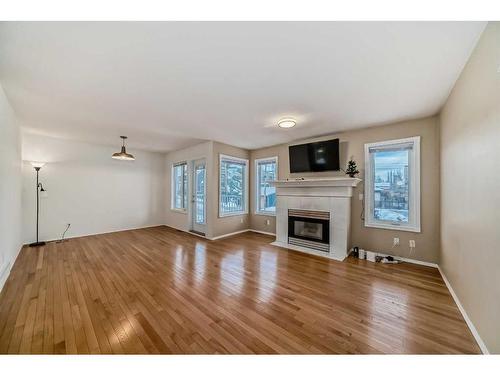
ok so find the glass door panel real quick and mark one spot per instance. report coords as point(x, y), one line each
point(199, 196)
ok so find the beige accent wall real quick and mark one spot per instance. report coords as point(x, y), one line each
point(352, 144)
point(181, 220)
point(470, 181)
point(210, 151)
point(228, 224)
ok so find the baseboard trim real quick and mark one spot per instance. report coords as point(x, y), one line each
point(223, 235)
point(185, 231)
point(263, 232)
point(208, 238)
point(407, 260)
point(242, 231)
point(5, 273)
point(469, 323)
point(416, 261)
point(98, 233)
point(228, 234)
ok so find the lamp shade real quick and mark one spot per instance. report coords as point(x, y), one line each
point(37, 164)
point(123, 155)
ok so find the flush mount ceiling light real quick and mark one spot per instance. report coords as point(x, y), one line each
point(122, 155)
point(287, 123)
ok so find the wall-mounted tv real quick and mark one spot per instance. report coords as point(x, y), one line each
point(315, 157)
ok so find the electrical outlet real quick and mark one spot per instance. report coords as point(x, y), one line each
point(412, 243)
point(241, 220)
point(268, 222)
point(360, 196)
point(395, 241)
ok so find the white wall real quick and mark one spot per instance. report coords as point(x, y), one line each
point(89, 189)
point(10, 188)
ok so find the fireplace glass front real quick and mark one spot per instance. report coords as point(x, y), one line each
point(309, 227)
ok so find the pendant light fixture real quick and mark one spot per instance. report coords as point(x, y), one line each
point(122, 155)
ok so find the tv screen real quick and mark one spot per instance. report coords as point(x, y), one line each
point(315, 157)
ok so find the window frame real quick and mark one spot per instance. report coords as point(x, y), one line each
point(173, 191)
point(414, 218)
point(245, 186)
point(257, 211)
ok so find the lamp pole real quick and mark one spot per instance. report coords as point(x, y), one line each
point(38, 185)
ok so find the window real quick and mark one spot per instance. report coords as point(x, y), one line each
point(179, 186)
point(266, 170)
point(233, 186)
point(392, 184)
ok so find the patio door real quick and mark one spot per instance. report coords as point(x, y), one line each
point(198, 199)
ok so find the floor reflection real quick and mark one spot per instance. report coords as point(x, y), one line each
point(200, 260)
point(178, 275)
point(267, 275)
point(388, 311)
point(231, 272)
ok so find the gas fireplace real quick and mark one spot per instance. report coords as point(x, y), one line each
point(309, 229)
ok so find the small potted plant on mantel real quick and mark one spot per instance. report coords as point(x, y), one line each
point(352, 168)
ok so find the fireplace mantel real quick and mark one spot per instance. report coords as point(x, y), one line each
point(314, 182)
point(317, 187)
point(332, 195)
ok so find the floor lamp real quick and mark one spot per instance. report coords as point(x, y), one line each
point(39, 189)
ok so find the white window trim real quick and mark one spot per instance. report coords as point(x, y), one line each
point(172, 189)
point(414, 187)
point(256, 200)
point(246, 187)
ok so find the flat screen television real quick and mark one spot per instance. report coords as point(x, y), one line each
point(315, 157)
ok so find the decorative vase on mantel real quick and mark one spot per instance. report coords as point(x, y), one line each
point(352, 168)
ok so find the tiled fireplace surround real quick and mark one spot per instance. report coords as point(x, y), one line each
point(331, 195)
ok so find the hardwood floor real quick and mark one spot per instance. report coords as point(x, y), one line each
point(158, 290)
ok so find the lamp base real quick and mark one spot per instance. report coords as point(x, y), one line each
point(36, 244)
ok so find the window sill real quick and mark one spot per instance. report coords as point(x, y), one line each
point(403, 228)
point(179, 210)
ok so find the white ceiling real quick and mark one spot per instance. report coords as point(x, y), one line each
point(168, 85)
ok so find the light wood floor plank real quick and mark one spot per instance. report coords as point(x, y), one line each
point(158, 290)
